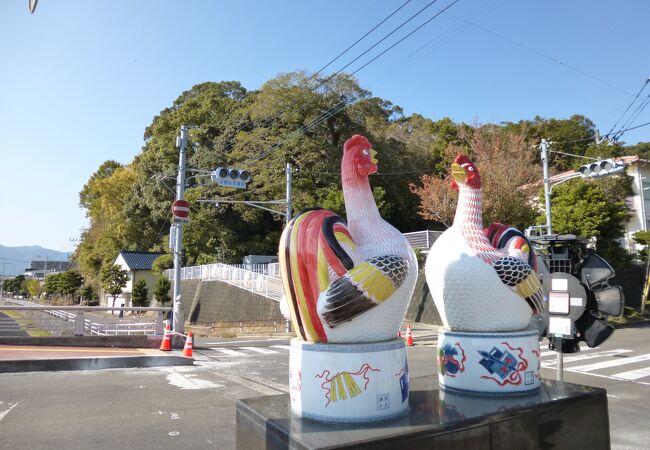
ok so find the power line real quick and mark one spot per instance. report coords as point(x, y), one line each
point(541, 54)
point(629, 106)
point(305, 82)
point(336, 109)
point(639, 109)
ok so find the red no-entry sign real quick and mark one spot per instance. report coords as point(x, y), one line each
point(180, 208)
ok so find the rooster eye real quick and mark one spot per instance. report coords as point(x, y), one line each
point(365, 152)
point(470, 168)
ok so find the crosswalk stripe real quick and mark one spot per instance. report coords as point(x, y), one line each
point(283, 347)
point(264, 351)
point(570, 359)
point(228, 351)
point(633, 374)
point(606, 364)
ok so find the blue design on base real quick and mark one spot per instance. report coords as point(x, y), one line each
point(499, 362)
point(404, 382)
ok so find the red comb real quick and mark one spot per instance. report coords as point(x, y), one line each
point(462, 159)
point(355, 140)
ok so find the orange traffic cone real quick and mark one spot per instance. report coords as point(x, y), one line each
point(187, 350)
point(409, 336)
point(166, 344)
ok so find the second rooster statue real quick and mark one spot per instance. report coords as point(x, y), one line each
point(347, 286)
point(486, 289)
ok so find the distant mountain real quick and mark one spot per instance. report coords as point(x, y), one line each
point(16, 259)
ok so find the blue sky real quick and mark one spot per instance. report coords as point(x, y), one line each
point(81, 80)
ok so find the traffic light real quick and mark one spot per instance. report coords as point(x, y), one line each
point(229, 177)
point(604, 300)
point(602, 168)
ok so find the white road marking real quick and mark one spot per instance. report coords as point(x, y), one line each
point(228, 351)
point(283, 347)
point(243, 342)
point(611, 363)
point(263, 351)
point(570, 359)
point(633, 374)
point(553, 352)
point(190, 381)
point(6, 411)
point(249, 382)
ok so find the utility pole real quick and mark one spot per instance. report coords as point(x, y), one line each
point(549, 230)
point(2, 286)
point(179, 315)
point(547, 191)
point(289, 180)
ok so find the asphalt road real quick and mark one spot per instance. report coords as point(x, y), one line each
point(194, 407)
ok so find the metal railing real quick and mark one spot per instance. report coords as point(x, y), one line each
point(111, 327)
point(422, 239)
point(256, 282)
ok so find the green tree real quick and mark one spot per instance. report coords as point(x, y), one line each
point(162, 263)
point(594, 209)
point(87, 293)
point(70, 282)
point(161, 290)
point(34, 287)
point(113, 279)
point(140, 293)
point(507, 173)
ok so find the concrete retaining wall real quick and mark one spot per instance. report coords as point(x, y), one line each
point(212, 301)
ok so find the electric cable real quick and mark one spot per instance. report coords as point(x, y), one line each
point(313, 76)
point(629, 106)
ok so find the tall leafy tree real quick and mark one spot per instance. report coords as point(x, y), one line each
point(140, 293)
point(113, 279)
point(594, 209)
point(161, 290)
point(507, 169)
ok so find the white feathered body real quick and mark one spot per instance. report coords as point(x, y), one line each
point(465, 287)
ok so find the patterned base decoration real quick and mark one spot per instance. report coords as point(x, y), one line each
point(488, 363)
point(348, 382)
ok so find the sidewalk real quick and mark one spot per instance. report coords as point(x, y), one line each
point(29, 358)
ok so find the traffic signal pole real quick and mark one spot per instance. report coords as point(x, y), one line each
point(549, 230)
point(178, 321)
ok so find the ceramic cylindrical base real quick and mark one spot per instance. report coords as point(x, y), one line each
point(489, 363)
point(348, 382)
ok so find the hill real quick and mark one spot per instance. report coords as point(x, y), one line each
point(16, 259)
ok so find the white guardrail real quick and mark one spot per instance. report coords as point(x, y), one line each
point(255, 280)
point(75, 314)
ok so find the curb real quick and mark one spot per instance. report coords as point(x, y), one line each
point(92, 363)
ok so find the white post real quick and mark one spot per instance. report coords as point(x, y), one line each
point(547, 191)
point(179, 315)
point(289, 179)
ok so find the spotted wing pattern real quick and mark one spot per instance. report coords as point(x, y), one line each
point(521, 278)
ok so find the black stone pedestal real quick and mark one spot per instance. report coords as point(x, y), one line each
point(560, 416)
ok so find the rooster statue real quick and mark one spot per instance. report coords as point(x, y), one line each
point(481, 283)
point(347, 283)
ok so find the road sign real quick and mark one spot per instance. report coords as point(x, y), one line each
point(181, 209)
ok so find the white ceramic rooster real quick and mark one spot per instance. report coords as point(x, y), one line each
point(475, 286)
point(347, 283)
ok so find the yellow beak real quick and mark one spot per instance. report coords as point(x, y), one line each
point(373, 155)
point(458, 173)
